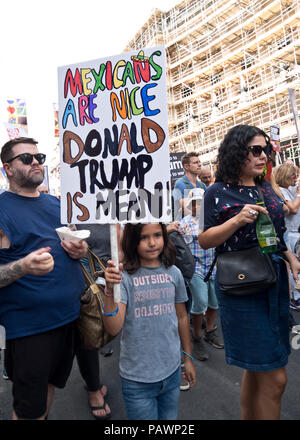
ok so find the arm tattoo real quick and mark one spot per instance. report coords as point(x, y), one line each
point(10, 273)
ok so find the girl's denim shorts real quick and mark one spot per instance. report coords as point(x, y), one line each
point(256, 327)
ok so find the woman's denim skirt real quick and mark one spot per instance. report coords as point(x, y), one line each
point(256, 327)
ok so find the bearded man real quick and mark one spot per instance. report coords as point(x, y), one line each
point(40, 282)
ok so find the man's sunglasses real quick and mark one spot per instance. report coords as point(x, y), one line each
point(27, 158)
point(256, 150)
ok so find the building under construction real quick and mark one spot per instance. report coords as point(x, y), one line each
point(229, 62)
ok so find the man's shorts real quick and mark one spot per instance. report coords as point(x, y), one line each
point(32, 362)
point(203, 295)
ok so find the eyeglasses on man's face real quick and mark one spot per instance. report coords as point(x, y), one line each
point(27, 158)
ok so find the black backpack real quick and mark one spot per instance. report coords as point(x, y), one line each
point(185, 260)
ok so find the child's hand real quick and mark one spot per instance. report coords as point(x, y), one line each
point(173, 227)
point(112, 274)
point(190, 372)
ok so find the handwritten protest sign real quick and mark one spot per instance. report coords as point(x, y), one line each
point(15, 131)
point(176, 167)
point(3, 178)
point(113, 127)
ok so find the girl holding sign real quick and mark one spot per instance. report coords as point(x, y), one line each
point(153, 317)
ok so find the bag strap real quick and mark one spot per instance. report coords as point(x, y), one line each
point(190, 186)
point(88, 277)
point(187, 182)
point(260, 193)
point(94, 257)
point(208, 275)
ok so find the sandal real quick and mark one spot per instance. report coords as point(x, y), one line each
point(100, 389)
point(95, 408)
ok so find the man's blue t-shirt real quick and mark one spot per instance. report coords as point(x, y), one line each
point(35, 304)
point(181, 190)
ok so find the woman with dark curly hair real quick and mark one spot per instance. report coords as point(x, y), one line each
point(255, 327)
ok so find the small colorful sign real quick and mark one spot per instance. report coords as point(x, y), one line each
point(15, 131)
point(275, 137)
point(56, 123)
point(16, 111)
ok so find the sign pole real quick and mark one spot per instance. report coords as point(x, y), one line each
point(114, 256)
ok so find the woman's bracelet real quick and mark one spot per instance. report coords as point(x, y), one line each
point(110, 314)
point(108, 293)
point(188, 355)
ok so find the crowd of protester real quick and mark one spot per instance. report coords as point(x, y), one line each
point(165, 320)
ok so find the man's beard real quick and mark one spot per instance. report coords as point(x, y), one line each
point(30, 181)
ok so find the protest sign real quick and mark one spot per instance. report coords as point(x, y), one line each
point(46, 178)
point(3, 179)
point(16, 112)
point(113, 127)
point(292, 96)
point(275, 137)
point(14, 131)
point(176, 167)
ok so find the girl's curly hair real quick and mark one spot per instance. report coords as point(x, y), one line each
point(233, 152)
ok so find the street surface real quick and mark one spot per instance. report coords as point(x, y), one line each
point(215, 396)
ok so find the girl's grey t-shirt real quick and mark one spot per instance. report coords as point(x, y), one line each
point(150, 343)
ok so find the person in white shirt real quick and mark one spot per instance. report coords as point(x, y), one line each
point(286, 176)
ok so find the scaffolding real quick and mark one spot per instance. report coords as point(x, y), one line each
point(229, 62)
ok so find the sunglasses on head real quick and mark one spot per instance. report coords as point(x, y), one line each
point(27, 158)
point(256, 150)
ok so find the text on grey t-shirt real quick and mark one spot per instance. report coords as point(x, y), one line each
point(150, 344)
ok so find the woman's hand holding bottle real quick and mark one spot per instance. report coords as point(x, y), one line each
point(249, 214)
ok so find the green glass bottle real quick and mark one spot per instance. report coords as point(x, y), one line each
point(265, 232)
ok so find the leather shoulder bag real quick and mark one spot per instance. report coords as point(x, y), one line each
point(90, 322)
point(245, 271)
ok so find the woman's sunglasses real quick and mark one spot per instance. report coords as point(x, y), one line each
point(27, 158)
point(256, 150)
